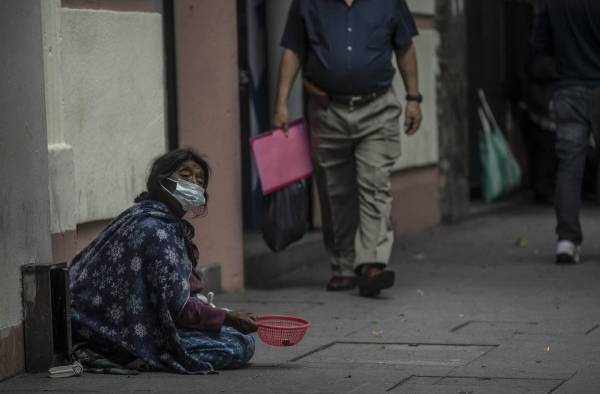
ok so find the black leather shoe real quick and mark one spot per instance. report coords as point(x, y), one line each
point(341, 283)
point(373, 279)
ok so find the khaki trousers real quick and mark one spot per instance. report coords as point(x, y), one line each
point(354, 151)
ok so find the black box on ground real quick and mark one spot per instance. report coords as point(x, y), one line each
point(46, 309)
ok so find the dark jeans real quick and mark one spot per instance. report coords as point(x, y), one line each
point(543, 162)
point(574, 110)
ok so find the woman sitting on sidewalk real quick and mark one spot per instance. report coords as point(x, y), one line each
point(134, 288)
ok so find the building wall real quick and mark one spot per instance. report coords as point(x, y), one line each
point(114, 96)
point(422, 7)
point(416, 206)
point(416, 181)
point(24, 212)
point(422, 149)
point(104, 63)
point(114, 100)
point(208, 101)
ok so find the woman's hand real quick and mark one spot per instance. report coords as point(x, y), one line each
point(242, 321)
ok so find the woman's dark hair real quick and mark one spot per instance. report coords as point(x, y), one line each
point(165, 165)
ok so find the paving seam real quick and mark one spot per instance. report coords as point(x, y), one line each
point(440, 378)
point(563, 382)
point(592, 329)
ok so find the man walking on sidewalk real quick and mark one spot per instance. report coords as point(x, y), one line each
point(570, 30)
point(345, 48)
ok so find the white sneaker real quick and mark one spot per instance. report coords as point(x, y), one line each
point(567, 253)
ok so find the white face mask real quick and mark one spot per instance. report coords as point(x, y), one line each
point(192, 197)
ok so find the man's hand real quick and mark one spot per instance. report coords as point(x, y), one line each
point(314, 90)
point(280, 118)
point(407, 63)
point(412, 117)
point(242, 321)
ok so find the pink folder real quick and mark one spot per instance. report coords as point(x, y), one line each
point(282, 160)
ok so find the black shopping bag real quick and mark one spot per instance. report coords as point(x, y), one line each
point(284, 215)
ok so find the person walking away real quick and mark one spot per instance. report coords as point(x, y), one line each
point(570, 31)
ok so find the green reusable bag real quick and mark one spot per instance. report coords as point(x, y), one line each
point(491, 178)
point(500, 172)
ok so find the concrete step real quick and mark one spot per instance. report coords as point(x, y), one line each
point(262, 266)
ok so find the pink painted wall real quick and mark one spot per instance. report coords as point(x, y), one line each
point(416, 205)
point(87, 232)
point(208, 103)
point(66, 245)
point(416, 194)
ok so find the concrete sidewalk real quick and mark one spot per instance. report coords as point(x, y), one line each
point(471, 312)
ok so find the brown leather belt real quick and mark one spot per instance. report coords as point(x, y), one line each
point(357, 101)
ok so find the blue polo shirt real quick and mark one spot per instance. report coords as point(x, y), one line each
point(348, 51)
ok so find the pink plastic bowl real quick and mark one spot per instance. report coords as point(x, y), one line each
point(278, 330)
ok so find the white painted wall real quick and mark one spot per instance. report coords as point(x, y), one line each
point(423, 7)
point(114, 105)
point(24, 206)
point(422, 148)
point(61, 171)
